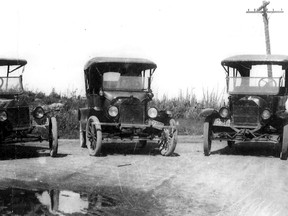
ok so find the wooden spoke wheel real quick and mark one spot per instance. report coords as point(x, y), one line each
point(168, 139)
point(53, 137)
point(93, 136)
point(82, 137)
point(284, 152)
point(207, 139)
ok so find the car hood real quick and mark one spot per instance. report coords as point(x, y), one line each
point(111, 95)
point(6, 103)
point(260, 102)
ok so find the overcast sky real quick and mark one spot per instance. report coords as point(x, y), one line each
point(186, 39)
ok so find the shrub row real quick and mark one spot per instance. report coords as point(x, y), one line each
point(185, 108)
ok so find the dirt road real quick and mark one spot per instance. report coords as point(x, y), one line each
point(248, 179)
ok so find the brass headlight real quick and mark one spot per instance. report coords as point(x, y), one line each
point(113, 111)
point(224, 112)
point(266, 114)
point(3, 116)
point(152, 112)
point(38, 113)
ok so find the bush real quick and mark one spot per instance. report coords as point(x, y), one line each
point(185, 108)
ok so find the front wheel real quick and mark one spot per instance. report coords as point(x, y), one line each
point(207, 139)
point(93, 136)
point(53, 137)
point(284, 152)
point(168, 139)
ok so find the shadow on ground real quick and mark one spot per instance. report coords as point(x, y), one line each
point(19, 151)
point(127, 148)
point(262, 149)
point(131, 148)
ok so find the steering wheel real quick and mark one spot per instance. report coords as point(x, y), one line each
point(1, 82)
point(266, 81)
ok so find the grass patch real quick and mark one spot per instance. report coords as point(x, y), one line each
point(190, 126)
point(185, 108)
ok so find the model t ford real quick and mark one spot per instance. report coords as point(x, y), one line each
point(118, 91)
point(257, 103)
point(18, 119)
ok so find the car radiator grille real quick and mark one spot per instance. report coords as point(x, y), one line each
point(132, 111)
point(18, 117)
point(245, 115)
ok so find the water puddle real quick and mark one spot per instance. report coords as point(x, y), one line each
point(15, 201)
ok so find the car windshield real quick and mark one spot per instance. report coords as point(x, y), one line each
point(114, 81)
point(254, 85)
point(258, 81)
point(11, 85)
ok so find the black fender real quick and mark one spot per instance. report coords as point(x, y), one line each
point(164, 117)
point(282, 114)
point(85, 113)
point(83, 117)
point(207, 112)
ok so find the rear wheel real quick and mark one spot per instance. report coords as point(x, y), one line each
point(207, 139)
point(82, 137)
point(168, 139)
point(284, 153)
point(93, 136)
point(53, 137)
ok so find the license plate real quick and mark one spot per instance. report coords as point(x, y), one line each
point(218, 122)
point(156, 124)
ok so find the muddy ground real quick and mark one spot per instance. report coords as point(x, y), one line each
point(248, 179)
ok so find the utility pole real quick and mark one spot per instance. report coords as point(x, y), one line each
point(263, 9)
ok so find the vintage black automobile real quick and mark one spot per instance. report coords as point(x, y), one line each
point(118, 93)
point(257, 103)
point(19, 120)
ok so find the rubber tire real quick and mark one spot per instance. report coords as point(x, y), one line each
point(230, 143)
point(2, 82)
point(284, 148)
point(171, 142)
point(93, 136)
point(82, 137)
point(53, 137)
point(207, 139)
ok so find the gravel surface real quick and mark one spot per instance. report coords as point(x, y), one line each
point(247, 179)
